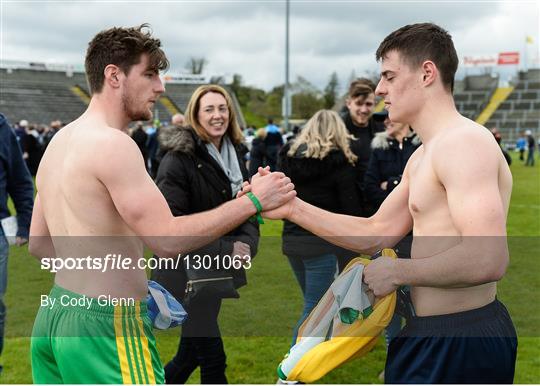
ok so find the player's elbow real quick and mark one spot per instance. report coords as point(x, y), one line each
point(163, 247)
point(495, 269)
point(499, 271)
point(33, 249)
point(39, 247)
point(166, 245)
point(171, 251)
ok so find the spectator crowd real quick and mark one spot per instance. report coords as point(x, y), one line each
point(346, 162)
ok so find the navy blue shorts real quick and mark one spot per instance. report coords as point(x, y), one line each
point(476, 346)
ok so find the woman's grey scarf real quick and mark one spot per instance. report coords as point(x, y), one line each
point(228, 161)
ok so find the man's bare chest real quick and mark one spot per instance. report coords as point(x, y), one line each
point(426, 193)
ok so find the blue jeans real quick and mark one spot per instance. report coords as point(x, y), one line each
point(4, 248)
point(530, 158)
point(315, 275)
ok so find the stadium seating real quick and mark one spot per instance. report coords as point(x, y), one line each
point(41, 96)
point(473, 94)
point(521, 110)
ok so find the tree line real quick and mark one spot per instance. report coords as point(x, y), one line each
point(306, 99)
point(258, 105)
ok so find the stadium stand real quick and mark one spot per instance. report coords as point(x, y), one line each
point(40, 95)
point(521, 110)
point(473, 93)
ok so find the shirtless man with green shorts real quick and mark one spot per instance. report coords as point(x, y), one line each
point(95, 199)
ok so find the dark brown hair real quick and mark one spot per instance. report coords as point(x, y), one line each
point(361, 87)
point(122, 47)
point(417, 43)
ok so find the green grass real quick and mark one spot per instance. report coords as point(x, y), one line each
point(257, 327)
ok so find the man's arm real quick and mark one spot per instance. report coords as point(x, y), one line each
point(20, 187)
point(145, 210)
point(40, 244)
point(478, 213)
point(365, 235)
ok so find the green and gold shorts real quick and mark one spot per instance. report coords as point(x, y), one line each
point(78, 339)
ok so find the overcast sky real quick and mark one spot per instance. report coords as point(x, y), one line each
point(248, 37)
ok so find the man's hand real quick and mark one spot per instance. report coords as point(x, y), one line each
point(278, 213)
point(246, 186)
point(380, 276)
point(282, 212)
point(20, 241)
point(241, 251)
point(272, 189)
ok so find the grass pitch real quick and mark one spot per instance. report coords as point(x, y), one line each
point(258, 326)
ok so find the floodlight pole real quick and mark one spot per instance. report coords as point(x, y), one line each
point(286, 103)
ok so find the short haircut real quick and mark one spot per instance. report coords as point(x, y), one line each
point(122, 47)
point(192, 111)
point(417, 43)
point(361, 87)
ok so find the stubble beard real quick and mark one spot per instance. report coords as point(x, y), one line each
point(129, 106)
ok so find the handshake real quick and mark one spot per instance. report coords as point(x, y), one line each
point(273, 191)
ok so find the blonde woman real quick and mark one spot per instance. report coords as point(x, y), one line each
point(202, 169)
point(320, 163)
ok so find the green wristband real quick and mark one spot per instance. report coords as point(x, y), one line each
point(258, 205)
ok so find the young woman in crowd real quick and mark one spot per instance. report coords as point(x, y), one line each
point(320, 163)
point(202, 169)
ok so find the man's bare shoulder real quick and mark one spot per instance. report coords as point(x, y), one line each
point(463, 140)
point(115, 152)
point(417, 153)
point(91, 135)
point(94, 147)
point(106, 143)
point(467, 149)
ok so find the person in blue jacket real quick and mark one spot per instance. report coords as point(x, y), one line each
point(15, 182)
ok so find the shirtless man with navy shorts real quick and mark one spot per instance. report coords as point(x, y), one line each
point(454, 196)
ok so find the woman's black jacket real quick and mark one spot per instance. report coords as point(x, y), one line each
point(386, 163)
point(327, 183)
point(192, 181)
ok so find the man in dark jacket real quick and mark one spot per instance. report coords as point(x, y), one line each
point(358, 119)
point(16, 182)
point(32, 146)
point(273, 142)
point(531, 146)
point(257, 154)
point(390, 152)
point(141, 138)
point(498, 137)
